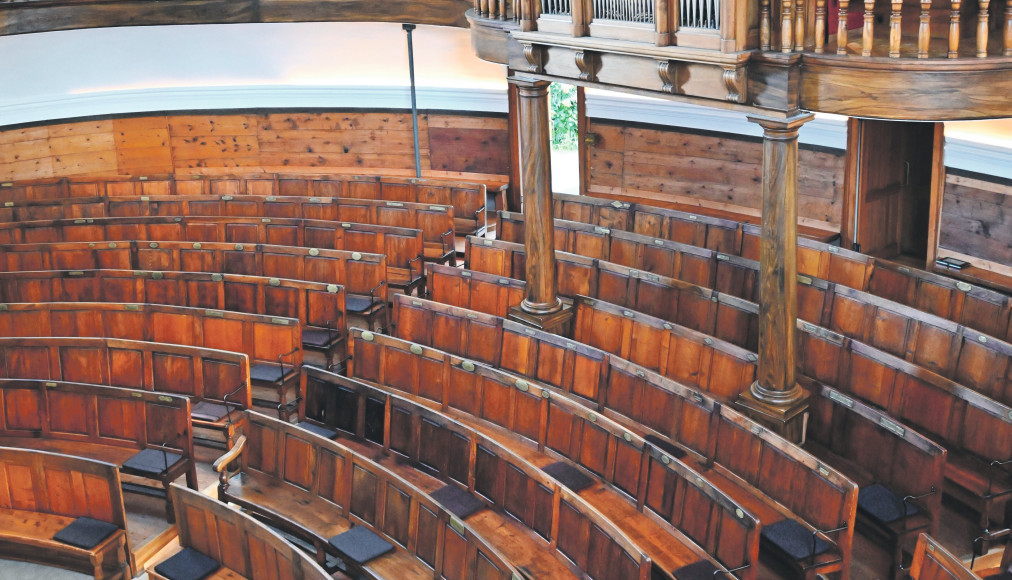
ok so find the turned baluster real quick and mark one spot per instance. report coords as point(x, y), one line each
point(924, 30)
point(477, 8)
point(786, 25)
point(764, 25)
point(954, 29)
point(894, 28)
point(841, 27)
point(799, 25)
point(982, 21)
point(867, 32)
point(820, 25)
point(1008, 28)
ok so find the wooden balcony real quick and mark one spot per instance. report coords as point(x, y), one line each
point(903, 59)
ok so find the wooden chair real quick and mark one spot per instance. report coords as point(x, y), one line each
point(314, 489)
point(146, 434)
point(60, 510)
point(220, 543)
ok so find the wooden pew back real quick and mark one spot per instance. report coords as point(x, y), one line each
point(357, 489)
point(576, 274)
point(109, 416)
point(356, 271)
point(237, 541)
point(933, 562)
point(616, 455)
point(475, 290)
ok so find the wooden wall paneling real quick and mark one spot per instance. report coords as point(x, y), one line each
point(142, 145)
point(474, 144)
point(976, 218)
point(82, 148)
point(24, 154)
point(214, 141)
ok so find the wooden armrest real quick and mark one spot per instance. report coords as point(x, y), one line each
point(231, 455)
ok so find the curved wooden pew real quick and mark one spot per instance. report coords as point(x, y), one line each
point(314, 488)
point(669, 490)
point(737, 454)
point(233, 543)
point(933, 562)
point(899, 471)
point(981, 362)
point(982, 309)
point(402, 247)
point(467, 198)
point(216, 381)
point(361, 275)
point(42, 493)
point(274, 345)
point(146, 434)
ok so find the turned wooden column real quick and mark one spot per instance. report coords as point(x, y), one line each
point(541, 306)
point(776, 399)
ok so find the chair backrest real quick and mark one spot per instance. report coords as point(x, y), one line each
point(933, 562)
point(238, 541)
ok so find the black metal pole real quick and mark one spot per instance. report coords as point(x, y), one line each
point(414, 103)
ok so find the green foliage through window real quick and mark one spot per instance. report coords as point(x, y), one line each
point(562, 104)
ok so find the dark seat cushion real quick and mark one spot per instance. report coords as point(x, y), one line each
point(568, 476)
point(459, 502)
point(269, 373)
point(360, 544)
point(320, 430)
point(208, 411)
point(152, 461)
point(879, 503)
point(792, 540)
point(358, 304)
point(666, 446)
point(701, 570)
point(319, 338)
point(187, 564)
point(85, 532)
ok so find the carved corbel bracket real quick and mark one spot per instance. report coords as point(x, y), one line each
point(589, 63)
point(736, 84)
point(668, 71)
point(535, 56)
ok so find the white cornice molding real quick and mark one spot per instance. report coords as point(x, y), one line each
point(978, 157)
point(249, 97)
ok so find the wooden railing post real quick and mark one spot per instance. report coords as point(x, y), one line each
point(799, 25)
point(1008, 28)
point(954, 29)
point(894, 28)
point(983, 17)
point(867, 32)
point(662, 20)
point(579, 11)
point(820, 26)
point(841, 27)
point(765, 26)
point(776, 399)
point(787, 25)
point(924, 30)
point(541, 306)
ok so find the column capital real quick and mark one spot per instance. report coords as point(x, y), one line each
point(529, 85)
point(786, 126)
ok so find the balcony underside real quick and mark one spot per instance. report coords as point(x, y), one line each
point(29, 16)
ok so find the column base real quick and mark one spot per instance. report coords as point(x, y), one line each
point(557, 322)
point(786, 419)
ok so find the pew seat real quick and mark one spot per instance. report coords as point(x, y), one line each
point(34, 531)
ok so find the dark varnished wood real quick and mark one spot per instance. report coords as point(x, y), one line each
point(933, 562)
point(242, 545)
point(42, 492)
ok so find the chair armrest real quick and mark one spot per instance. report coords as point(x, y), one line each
point(816, 533)
point(221, 464)
point(372, 293)
point(442, 238)
point(991, 468)
point(228, 408)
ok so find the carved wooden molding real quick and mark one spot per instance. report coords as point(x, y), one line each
point(667, 70)
point(535, 56)
point(736, 83)
point(589, 62)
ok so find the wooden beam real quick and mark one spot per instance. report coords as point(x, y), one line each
point(776, 399)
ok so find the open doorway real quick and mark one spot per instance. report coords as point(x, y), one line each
point(563, 119)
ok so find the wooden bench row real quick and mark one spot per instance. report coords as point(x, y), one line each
point(216, 381)
point(982, 309)
point(237, 545)
point(276, 345)
point(146, 434)
point(933, 562)
point(980, 361)
point(467, 198)
point(434, 221)
point(402, 247)
point(818, 495)
point(840, 425)
point(314, 488)
point(42, 493)
point(645, 476)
